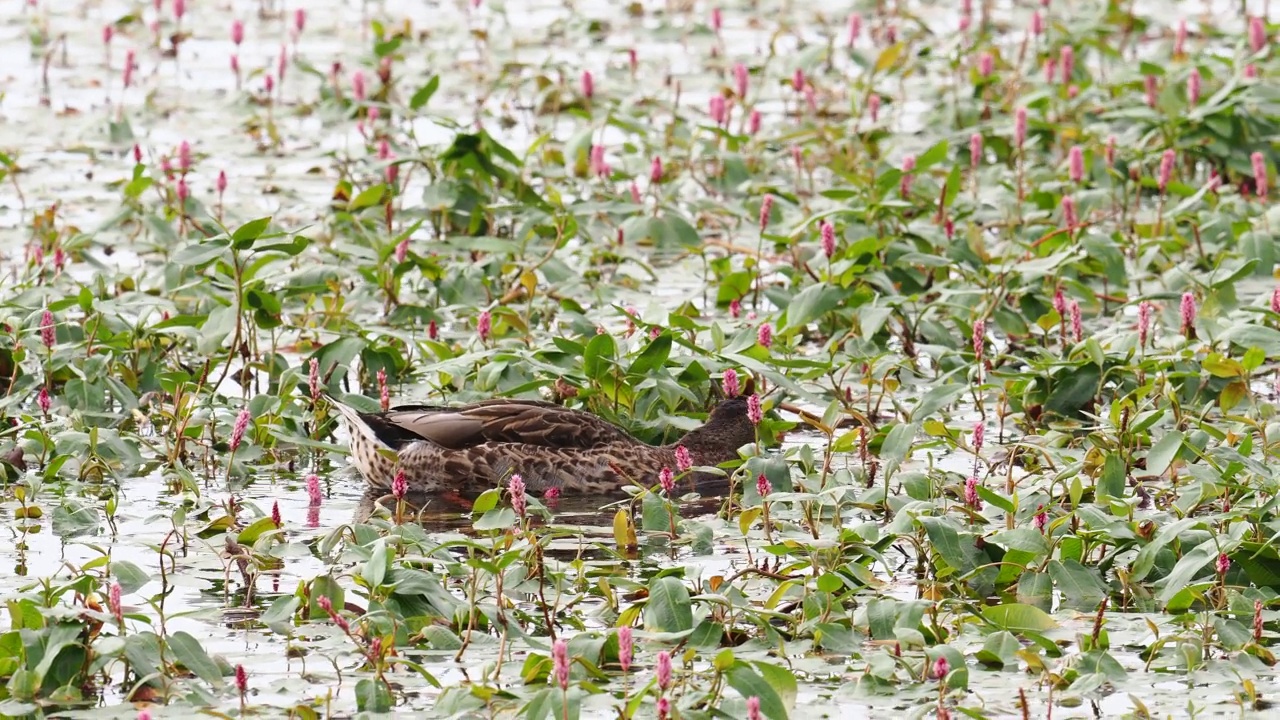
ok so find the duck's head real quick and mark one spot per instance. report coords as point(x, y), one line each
point(727, 429)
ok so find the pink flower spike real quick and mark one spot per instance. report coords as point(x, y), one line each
point(238, 430)
point(663, 708)
point(735, 309)
point(1037, 24)
point(663, 670)
point(107, 32)
point(753, 708)
point(684, 461)
point(221, 184)
point(519, 496)
point(1109, 152)
point(873, 107)
point(551, 493)
point(730, 382)
point(357, 85)
point(975, 150)
point(1077, 331)
point(755, 413)
point(667, 481)
point(129, 63)
point(276, 519)
point(1041, 519)
point(400, 485)
point(1187, 311)
point(655, 171)
point(1257, 34)
point(797, 80)
point(979, 338)
point(588, 85)
point(1150, 89)
point(908, 165)
point(484, 325)
point(48, 334)
point(179, 9)
point(299, 20)
point(1166, 169)
point(1223, 564)
point(1275, 300)
point(1069, 219)
point(1019, 127)
point(855, 27)
point(43, 400)
point(1050, 70)
point(765, 336)
point(940, 668)
point(986, 64)
point(242, 680)
point(979, 436)
point(1180, 39)
point(740, 79)
point(766, 209)
point(113, 603)
point(1193, 87)
point(1259, 174)
point(315, 495)
point(717, 20)
point(1075, 164)
point(971, 494)
point(384, 392)
point(763, 486)
point(313, 379)
point(1067, 61)
point(626, 647)
point(828, 239)
point(237, 32)
point(753, 123)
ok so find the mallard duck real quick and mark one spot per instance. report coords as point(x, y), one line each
point(472, 448)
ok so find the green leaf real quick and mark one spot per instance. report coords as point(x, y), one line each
point(1163, 452)
point(1017, 617)
point(669, 608)
point(1079, 585)
point(750, 683)
point(130, 576)
point(1189, 566)
point(1111, 482)
point(248, 233)
point(424, 93)
point(810, 304)
point(193, 657)
point(367, 198)
point(373, 697)
point(654, 356)
point(375, 570)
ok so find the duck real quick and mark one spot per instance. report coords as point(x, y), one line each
point(468, 449)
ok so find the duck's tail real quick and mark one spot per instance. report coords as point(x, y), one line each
point(356, 423)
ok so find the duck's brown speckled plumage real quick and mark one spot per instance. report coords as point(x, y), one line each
point(472, 448)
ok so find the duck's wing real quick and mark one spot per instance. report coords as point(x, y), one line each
point(526, 422)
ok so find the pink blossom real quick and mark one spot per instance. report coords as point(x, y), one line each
point(179, 8)
point(765, 335)
point(588, 85)
point(1275, 300)
point(1144, 322)
point(730, 382)
point(484, 324)
point(763, 486)
point(1077, 331)
point(1037, 23)
point(1257, 34)
point(357, 85)
point(400, 484)
point(855, 27)
point(755, 413)
point(183, 192)
point(129, 64)
point(979, 337)
point(655, 171)
point(113, 603)
point(717, 20)
point(1180, 38)
point(663, 669)
point(315, 495)
point(1019, 127)
point(971, 494)
point(717, 110)
point(1059, 303)
point(908, 165)
point(221, 184)
point(667, 480)
point(828, 232)
point(797, 80)
point(551, 493)
point(766, 208)
point(1041, 519)
point(986, 64)
point(1251, 71)
point(1223, 564)
point(753, 123)
point(43, 400)
point(975, 150)
point(1193, 87)
point(299, 20)
point(753, 708)
point(683, 460)
point(979, 436)
point(48, 334)
point(663, 708)
point(276, 519)
point(941, 667)
point(633, 60)
point(238, 430)
point(242, 680)
point(1187, 311)
point(1067, 59)
point(313, 379)
point(735, 308)
point(1069, 212)
point(1050, 70)
point(1259, 174)
point(626, 647)
point(237, 32)
point(1150, 88)
point(740, 79)
point(519, 498)
point(1075, 164)
point(1109, 152)
point(1166, 168)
